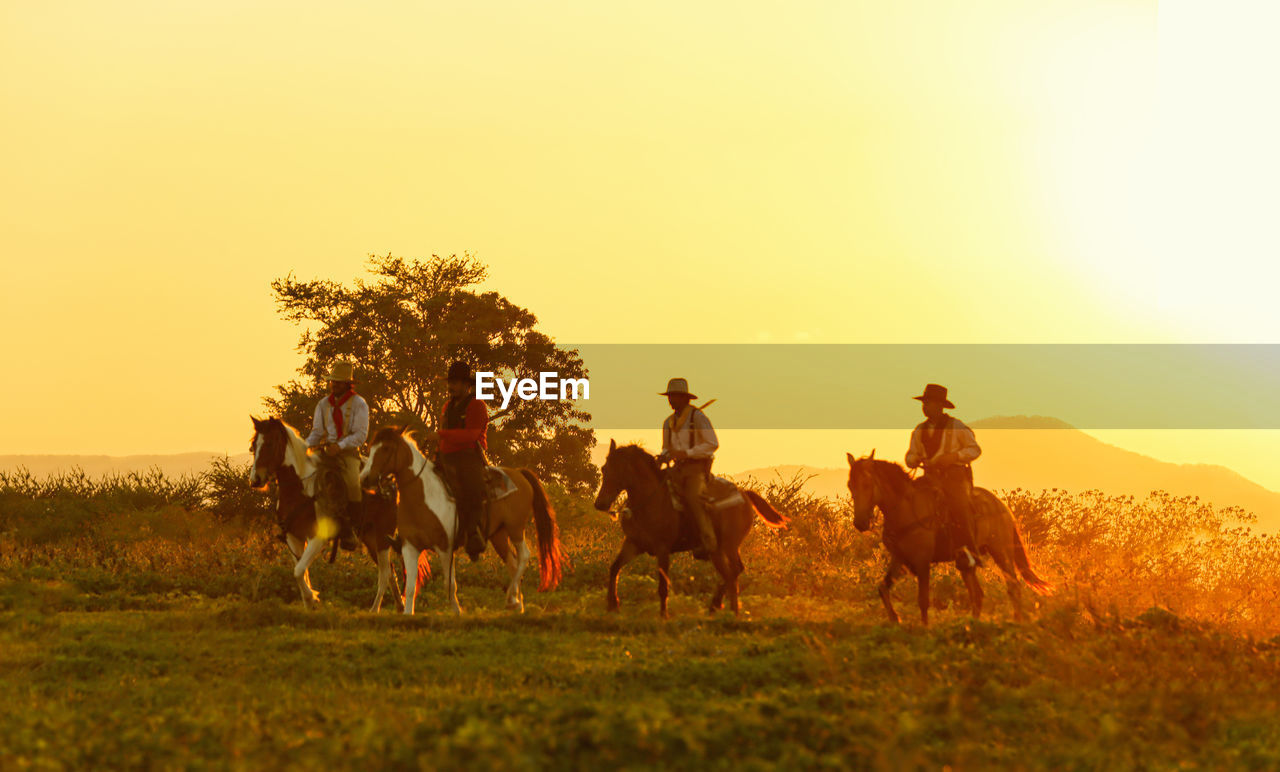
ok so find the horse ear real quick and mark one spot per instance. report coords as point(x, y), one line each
point(850, 457)
point(257, 422)
point(612, 445)
point(872, 457)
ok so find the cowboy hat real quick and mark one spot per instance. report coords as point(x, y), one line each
point(935, 393)
point(342, 371)
point(460, 371)
point(677, 386)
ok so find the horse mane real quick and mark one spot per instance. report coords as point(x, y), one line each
point(892, 474)
point(393, 433)
point(640, 455)
point(388, 433)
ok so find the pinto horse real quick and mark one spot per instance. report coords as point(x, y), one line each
point(304, 485)
point(427, 518)
point(654, 527)
point(916, 535)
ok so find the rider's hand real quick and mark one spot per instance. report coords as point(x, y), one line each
point(430, 435)
point(332, 449)
point(679, 455)
point(946, 459)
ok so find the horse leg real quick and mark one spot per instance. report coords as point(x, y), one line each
point(975, 591)
point(396, 593)
point(507, 553)
point(1011, 582)
point(625, 556)
point(312, 551)
point(664, 582)
point(922, 592)
point(522, 560)
point(411, 554)
point(384, 571)
point(886, 586)
point(733, 561)
point(450, 580)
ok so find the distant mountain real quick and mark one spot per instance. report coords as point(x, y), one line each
point(173, 465)
point(1037, 453)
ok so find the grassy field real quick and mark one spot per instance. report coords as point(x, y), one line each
point(160, 638)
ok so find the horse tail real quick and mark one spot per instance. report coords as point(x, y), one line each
point(550, 552)
point(1023, 564)
point(771, 516)
point(424, 573)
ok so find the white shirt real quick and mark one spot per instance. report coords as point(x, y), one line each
point(355, 422)
point(700, 442)
point(957, 438)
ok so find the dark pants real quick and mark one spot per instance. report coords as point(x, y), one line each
point(466, 472)
point(956, 483)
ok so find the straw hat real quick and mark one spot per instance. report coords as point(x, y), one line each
point(678, 386)
point(342, 371)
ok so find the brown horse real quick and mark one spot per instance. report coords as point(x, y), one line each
point(303, 485)
point(654, 527)
point(915, 533)
point(427, 518)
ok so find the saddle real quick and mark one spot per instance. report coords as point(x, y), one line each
point(497, 483)
point(720, 493)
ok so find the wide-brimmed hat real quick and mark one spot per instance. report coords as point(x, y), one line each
point(935, 393)
point(460, 371)
point(678, 386)
point(342, 371)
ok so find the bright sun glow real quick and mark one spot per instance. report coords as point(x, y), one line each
point(1166, 163)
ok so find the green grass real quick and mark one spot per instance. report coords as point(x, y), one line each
point(197, 682)
point(162, 637)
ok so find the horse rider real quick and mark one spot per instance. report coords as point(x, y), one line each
point(463, 439)
point(340, 427)
point(689, 441)
point(945, 447)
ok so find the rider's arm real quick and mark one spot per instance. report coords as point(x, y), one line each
point(968, 449)
point(359, 428)
point(708, 443)
point(915, 450)
point(473, 427)
point(318, 434)
point(666, 439)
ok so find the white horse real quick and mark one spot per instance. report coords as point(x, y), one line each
point(279, 452)
point(427, 518)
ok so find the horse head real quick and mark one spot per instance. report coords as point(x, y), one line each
point(623, 468)
point(389, 454)
point(864, 487)
point(268, 447)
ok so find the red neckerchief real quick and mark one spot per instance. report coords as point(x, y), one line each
point(337, 408)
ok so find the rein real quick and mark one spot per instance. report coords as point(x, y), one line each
point(906, 499)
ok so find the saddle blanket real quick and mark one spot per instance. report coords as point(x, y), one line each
point(720, 493)
point(498, 482)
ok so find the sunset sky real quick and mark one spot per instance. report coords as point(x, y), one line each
point(834, 172)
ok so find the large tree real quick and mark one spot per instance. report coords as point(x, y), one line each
point(405, 326)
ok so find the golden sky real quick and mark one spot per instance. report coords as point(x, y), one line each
point(917, 171)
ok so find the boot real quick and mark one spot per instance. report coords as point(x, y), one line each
point(346, 532)
point(475, 543)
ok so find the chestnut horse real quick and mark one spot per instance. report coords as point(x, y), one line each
point(427, 518)
point(916, 536)
point(279, 452)
point(654, 527)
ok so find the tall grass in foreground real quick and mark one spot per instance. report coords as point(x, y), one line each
point(1112, 557)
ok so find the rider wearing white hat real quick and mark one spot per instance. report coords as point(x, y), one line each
point(689, 440)
point(340, 427)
